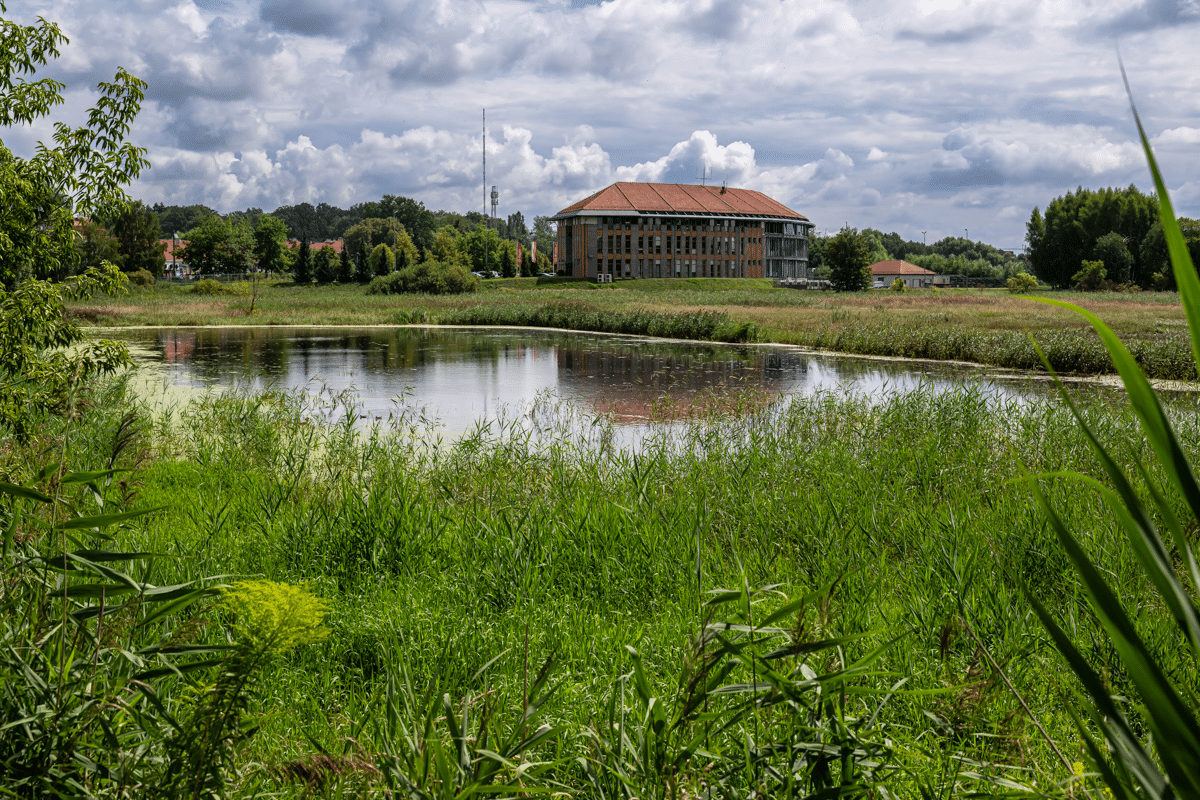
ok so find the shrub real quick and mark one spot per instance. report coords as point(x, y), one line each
point(899, 286)
point(141, 277)
point(1090, 277)
point(428, 277)
point(207, 286)
point(1022, 283)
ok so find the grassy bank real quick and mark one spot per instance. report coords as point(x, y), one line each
point(983, 326)
point(903, 517)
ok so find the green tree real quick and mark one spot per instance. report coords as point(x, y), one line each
point(95, 245)
point(302, 270)
point(219, 247)
point(508, 260)
point(371, 232)
point(270, 245)
point(382, 260)
point(177, 219)
point(345, 271)
point(82, 171)
point(137, 232)
point(412, 215)
point(1118, 261)
point(44, 356)
point(514, 227)
point(545, 234)
point(362, 269)
point(1066, 235)
point(445, 247)
point(325, 265)
point(404, 250)
point(482, 248)
point(1153, 252)
point(849, 261)
point(203, 246)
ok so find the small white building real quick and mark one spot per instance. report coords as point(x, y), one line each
point(912, 275)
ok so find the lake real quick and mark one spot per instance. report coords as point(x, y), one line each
point(465, 375)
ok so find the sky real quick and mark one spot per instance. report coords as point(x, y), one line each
point(925, 117)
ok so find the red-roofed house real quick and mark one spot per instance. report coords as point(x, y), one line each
point(336, 244)
point(911, 274)
point(676, 230)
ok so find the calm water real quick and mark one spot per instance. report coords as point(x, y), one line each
point(466, 375)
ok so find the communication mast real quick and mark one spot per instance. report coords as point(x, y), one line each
point(485, 245)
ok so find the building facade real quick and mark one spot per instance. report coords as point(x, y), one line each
point(910, 274)
point(672, 230)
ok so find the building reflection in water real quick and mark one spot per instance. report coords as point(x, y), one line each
point(462, 375)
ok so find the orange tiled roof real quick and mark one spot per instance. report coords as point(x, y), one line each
point(681, 198)
point(336, 244)
point(898, 268)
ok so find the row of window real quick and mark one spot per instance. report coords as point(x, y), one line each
point(681, 243)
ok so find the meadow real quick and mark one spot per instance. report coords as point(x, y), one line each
point(979, 325)
point(856, 561)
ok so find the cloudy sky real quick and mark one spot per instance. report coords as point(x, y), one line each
point(914, 115)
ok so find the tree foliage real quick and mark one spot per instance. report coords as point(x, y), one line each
point(220, 247)
point(849, 260)
point(412, 215)
point(137, 233)
point(1067, 234)
point(1154, 255)
point(302, 266)
point(382, 260)
point(177, 219)
point(80, 173)
point(445, 247)
point(482, 248)
point(325, 265)
point(1110, 249)
point(270, 245)
point(94, 246)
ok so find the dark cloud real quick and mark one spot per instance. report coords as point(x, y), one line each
point(1149, 15)
point(307, 17)
point(965, 35)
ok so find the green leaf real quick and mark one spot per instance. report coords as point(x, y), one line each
point(104, 520)
point(24, 492)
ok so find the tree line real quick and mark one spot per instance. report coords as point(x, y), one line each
point(254, 240)
point(1104, 237)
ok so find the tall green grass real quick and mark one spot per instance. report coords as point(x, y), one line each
point(520, 544)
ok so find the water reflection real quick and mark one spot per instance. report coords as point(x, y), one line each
point(464, 375)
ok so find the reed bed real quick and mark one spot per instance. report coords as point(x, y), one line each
point(889, 531)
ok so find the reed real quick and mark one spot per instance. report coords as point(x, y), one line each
point(534, 538)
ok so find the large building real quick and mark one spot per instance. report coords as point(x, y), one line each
point(674, 230)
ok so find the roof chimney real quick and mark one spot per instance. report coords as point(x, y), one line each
point(722, 187)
